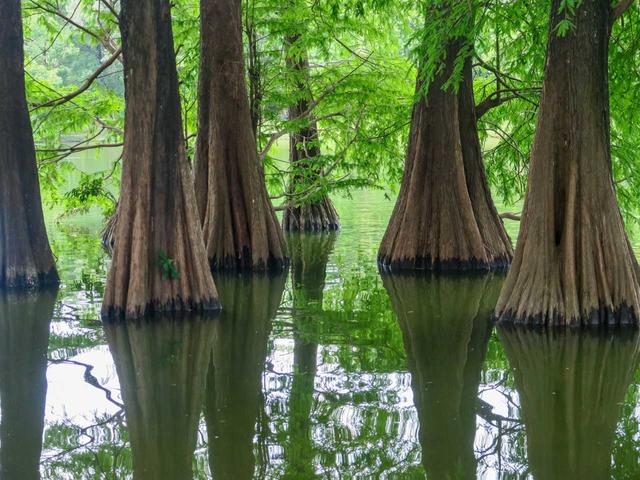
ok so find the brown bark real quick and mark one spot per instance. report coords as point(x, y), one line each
point(234, 383)
point(159, 263)
point(24, 338)
point(26, 260)
point(574, 264)
point(161, 367)
point(304, 152)
point(444, 217)
point(309, 258)
point(446, 326)
point(241, 230)
point(571, 386)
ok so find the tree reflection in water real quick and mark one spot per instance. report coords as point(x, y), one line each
point(446, 325)
point(309, 258)
point(161, 364)
point(24, 337)
point(571, 385)
point(234, 382)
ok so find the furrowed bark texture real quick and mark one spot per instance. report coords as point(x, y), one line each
point(444, 218)
point(446, 326)
point(574, 264)
point(571, 386)
point(304, 152)
point(24, 337)
point(234, 397)
point(241, 230)
point(159, 262)
point(309, 258)
point(26, 260)
point(161, 367)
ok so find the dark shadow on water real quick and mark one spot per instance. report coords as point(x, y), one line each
point(446, 325)
point(571, 386)
point(161, 367)
point(24, 337)
point(234, 380)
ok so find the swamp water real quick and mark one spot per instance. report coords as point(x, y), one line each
point(329, 371)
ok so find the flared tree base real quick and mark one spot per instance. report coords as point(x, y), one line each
point(314, 217)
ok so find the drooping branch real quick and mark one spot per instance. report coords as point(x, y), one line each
point(85, 85)
point(619, 9)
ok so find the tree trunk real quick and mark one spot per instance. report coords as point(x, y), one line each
point(159, 263)
point(446, 326)
point(444, 217)
point(241, 230)
point(574, 264)
point(309, 258)
point(161, 367)
point(24, 338)
point(26, 260)
point(571, 386)
point(304, 156)
point(234, 395)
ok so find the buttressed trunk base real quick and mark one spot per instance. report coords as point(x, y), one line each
point(319, 216)
point(573, 264)
point(444, 218)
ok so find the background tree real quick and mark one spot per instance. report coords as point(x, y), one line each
point(570, 414)
point(24, 332)
point(234, 395)
point(304, 152)
point(573, 264)
point(446, 325)
point(25, 256)
point(240, 226)
point(444, 217)
point(159, 262)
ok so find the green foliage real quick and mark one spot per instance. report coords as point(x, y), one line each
point(167, 266)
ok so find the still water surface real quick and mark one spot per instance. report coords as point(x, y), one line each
point(329, 371)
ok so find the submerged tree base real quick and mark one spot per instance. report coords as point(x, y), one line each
point(598, 317)
point(12, 281)
point(314, 217)
point(176, 306)
point(388, 264)
point(245, 263)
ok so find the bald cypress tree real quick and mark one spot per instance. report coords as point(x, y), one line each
point(573, 264)
point(159, 263)
point(241, 230)
point(25, 256)
point(444, 218)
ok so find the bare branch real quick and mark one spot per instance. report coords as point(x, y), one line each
point(619, 9)
point(85, 85)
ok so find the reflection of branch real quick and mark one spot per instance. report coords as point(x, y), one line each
point(90, 379)
point(83, 432)
point(85, 85)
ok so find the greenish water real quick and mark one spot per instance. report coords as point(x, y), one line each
point(329, 371)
